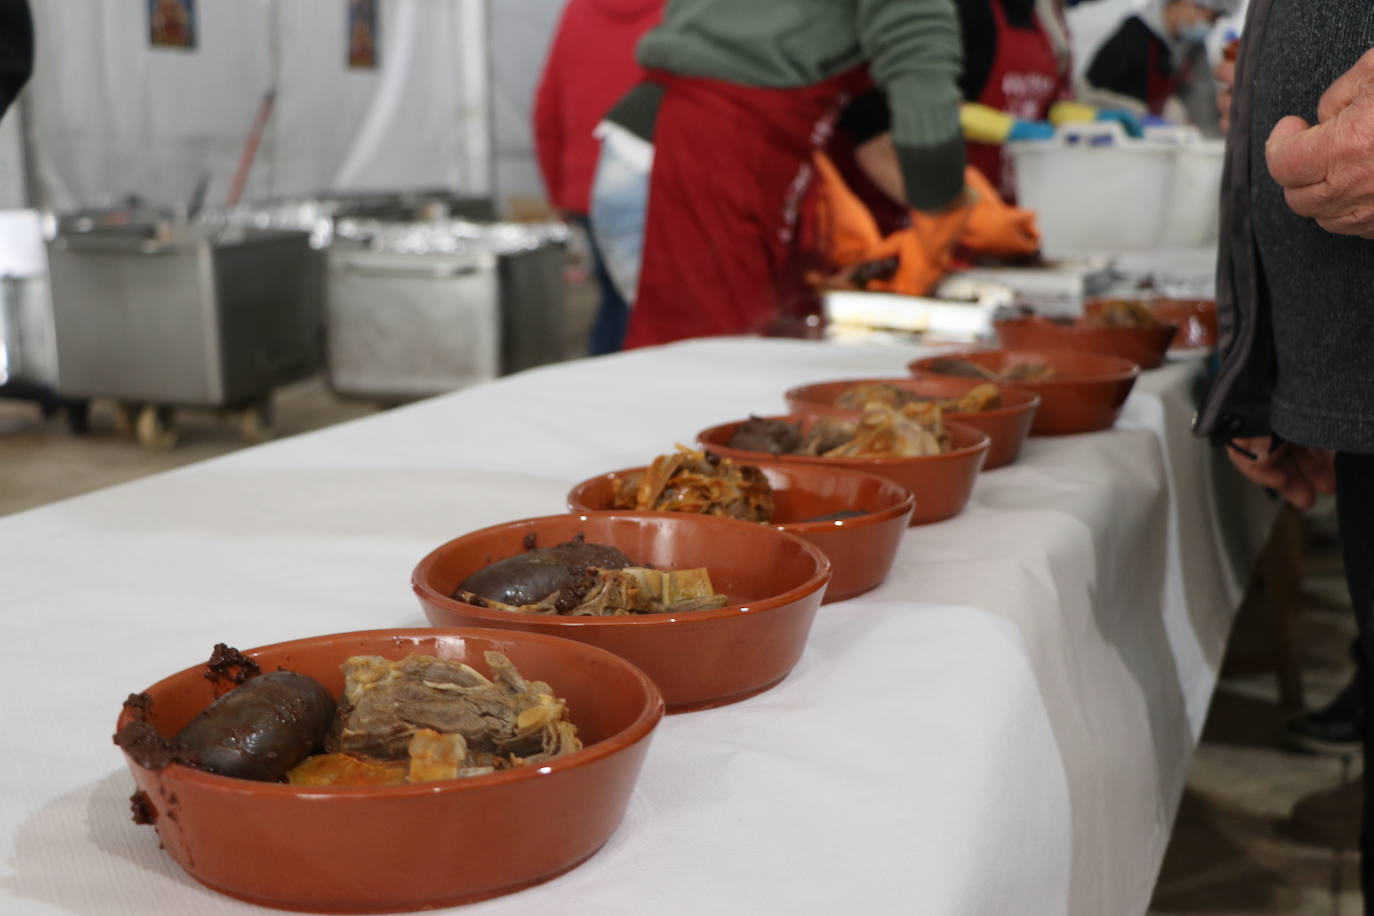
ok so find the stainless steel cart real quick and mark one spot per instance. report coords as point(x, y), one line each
point(169, 317)
point(28, 350)
point(423, 308)
point(402, 326)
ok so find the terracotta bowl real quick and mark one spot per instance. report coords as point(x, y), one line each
point(941, 483)
point(775, 582)
point(1086, 395)
point(1145, 347)
point(1007, 426)
point(385, 849)
point(861, 549)
point(1196, 320)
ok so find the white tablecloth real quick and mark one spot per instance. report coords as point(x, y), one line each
point(1002, 727)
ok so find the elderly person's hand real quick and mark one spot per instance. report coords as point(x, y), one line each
point(1326, 169)
point(1297, 472)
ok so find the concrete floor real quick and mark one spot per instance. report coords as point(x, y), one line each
point(1228, 855)
point(43, 462)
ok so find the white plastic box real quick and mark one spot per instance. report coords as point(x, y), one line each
point(1097, 191)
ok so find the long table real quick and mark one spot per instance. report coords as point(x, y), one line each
point(1002, 727)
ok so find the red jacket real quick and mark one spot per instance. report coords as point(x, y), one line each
point(590, 66)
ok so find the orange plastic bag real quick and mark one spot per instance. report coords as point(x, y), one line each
point(983, 223)
point(850, 236)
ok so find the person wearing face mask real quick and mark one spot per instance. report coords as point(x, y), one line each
point(1140, 62)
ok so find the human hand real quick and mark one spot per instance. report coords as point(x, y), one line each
point(1225, 75)
point(1325, 169)
point(1297, 472)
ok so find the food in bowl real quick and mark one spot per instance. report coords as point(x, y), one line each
point(420, 719)
point(881, 431)
point(258, 730)
point(772, 437)
point(369, 849)
point(774, 581)
point(975, 400)
point(1085, 393)
point(808, 500)
point(580, 579)
point(423, 719)
point(1121, 313)
point(1028, 371)
point(1003, 413)
point(701, 482)
point(691, 480)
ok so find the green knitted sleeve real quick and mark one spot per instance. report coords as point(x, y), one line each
point(914, 53)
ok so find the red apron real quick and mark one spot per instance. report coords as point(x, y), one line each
point(732, 165)
point(1159, 80)
point(1024, 82)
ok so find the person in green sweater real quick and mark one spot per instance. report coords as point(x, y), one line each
point(738, 97)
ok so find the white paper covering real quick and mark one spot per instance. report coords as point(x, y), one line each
point(1001, 728)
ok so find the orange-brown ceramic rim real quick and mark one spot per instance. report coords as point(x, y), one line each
point(963, 463)
point(1151, 344)
point(1196, 318)
point(853, 572)
point(1114, 368)
point(800, 400)
point(977, 441)
point(906, 502)
point(1007, 426)
point(419, 581)
point(639, 729)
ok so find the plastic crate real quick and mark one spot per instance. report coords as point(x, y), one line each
point(1097, 191)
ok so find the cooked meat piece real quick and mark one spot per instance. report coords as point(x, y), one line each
point(775, 437)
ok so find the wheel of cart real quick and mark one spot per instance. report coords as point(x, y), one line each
point(78, 417)
point(255, 420)
point(50, 403)
point(155, 427)
point(125, 417)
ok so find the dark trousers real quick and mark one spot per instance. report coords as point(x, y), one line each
point(1355, 514)
point(612, 315)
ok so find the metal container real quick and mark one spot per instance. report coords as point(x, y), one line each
point(532, 307)
point(184, 318)
point(28, 348)
point(420, 309)
point(410, 206)
point(402, 325)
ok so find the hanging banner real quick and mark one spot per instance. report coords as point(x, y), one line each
point(172, 23)
point(362, 34)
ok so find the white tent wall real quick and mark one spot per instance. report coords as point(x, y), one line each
point(521, 32)
point(114, 116)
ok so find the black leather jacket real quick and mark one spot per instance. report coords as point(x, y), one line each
point(1238, 402)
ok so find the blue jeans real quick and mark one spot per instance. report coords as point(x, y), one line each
point(613, 315)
